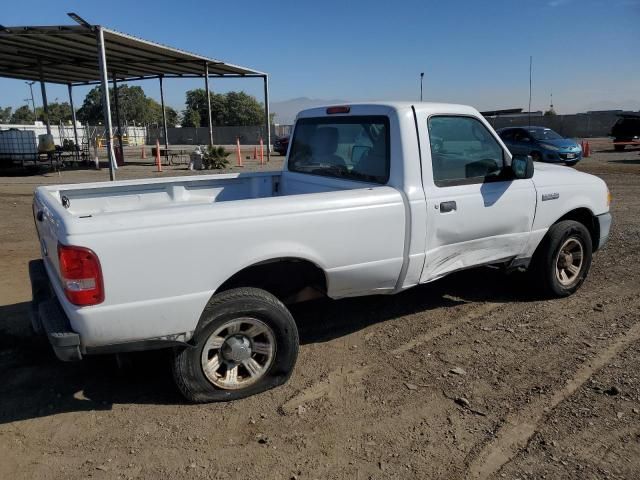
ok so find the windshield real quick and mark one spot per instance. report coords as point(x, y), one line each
point(353, 147)
point(544, 134)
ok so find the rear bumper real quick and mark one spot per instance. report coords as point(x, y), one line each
point(48, 317)
point(604, 222)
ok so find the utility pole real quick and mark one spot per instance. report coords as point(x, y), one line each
point(33, 103)
point(421, 78)
point(530, 70)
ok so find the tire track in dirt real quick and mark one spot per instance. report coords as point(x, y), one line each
point(520, 427)
point(339, 378)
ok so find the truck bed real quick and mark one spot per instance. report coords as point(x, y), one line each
point(141, 195)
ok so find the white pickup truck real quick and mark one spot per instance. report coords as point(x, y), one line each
point(373, 199)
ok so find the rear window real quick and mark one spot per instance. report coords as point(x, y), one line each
point(353, 147)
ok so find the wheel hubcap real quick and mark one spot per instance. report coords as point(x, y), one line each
point(569, 261)
point(238, 353)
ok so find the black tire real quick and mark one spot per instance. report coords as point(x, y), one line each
point(233, 304)
point(619, 148)
point(544, 261)
point(40, 292)
point(536, 156)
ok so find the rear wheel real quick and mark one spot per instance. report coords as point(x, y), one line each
point(563, 259)
point(246, 343)
point(618, 148)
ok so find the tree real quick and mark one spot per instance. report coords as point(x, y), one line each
point(5, 114)
point(58, 112)
point(243, 109)
point(550, 113)
point(172, 116)
point(23, 114)
point(190, 118)
point(195, 115)
point(233, 108)
point(134, 106)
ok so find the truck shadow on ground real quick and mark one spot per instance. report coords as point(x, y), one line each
point(33, 383)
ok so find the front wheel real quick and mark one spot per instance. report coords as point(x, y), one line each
point(246, 343)
point(563, 259)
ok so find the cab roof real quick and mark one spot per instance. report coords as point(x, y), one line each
point(360, 108)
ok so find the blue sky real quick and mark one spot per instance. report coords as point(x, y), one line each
point(587, 52)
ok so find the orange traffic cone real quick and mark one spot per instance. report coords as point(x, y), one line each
point(239, 155)
point(588, 150)
point(255, 152)
point(144, 153)
point(158, 163)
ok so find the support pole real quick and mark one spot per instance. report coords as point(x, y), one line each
point(118, 130)
point(206, 87)
point(164, 122)
point(73, 120)
point(106, 107)
point(45, 104)
point(267, 120)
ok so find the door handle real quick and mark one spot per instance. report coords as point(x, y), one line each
point(448, 206)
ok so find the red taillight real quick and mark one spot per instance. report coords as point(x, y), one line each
point(332, 110)
point(81, 275)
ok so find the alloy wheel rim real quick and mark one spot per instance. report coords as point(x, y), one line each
point(569, 261)
point(238, 353)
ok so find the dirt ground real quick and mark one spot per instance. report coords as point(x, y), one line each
point(468, 377)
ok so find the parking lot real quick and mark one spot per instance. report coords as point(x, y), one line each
point(472, 376)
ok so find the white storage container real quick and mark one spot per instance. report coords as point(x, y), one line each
point(17, 144)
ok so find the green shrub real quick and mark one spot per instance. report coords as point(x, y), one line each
point(215, 158)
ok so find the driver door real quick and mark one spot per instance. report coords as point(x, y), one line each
point(477, 213)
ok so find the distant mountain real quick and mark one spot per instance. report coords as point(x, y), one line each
point(287, 110)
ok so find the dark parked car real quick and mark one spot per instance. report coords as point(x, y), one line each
point(543, 144)
point(626, 129)
point(281, 145)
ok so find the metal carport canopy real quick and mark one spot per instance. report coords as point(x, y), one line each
point(88, 54)
point(68, 54)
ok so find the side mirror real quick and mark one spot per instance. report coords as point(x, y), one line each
point(522, 166)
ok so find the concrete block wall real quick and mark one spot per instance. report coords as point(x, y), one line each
point(200, 135)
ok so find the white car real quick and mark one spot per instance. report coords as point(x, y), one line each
point(373, 199)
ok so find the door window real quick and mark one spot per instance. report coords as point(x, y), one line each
point(463, 151)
